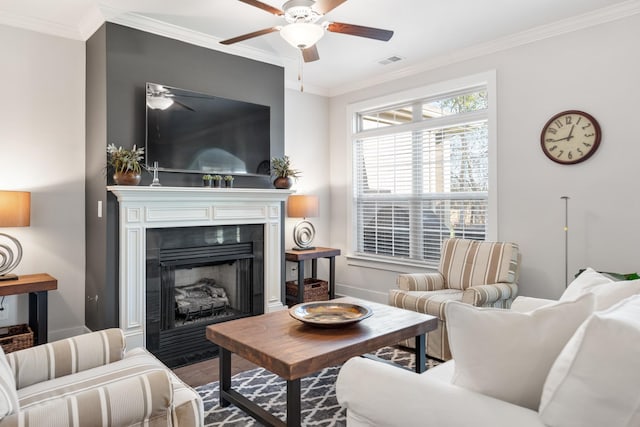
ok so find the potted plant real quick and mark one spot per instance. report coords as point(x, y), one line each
point(228, 181)
point(284, 173)
point(206, 180)
point(217, 179)
point(125, 163)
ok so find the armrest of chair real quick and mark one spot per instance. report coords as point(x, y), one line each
point(144, 399)
point(64, 357)
point(483, 295)
point(420, 281)
point(377, 394)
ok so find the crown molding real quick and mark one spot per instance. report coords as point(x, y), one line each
point(40, 25)
point(591, 19)
point(175, 32)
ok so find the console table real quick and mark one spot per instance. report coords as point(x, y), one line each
point(37, 286)
point(313, 255)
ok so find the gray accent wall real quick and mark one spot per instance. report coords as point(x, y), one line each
point(120, 60)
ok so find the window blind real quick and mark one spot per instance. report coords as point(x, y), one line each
point(419, 181)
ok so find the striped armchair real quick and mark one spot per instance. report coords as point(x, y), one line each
point(89, 380)
point(483, 274)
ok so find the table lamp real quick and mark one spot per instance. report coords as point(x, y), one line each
point(15, 211)
point(303, 206)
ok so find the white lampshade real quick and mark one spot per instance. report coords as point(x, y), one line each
point(302, 206)
point(302, 35)
point(159, 102)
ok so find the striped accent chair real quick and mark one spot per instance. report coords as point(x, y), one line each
point(483, 274)
point(89, 380)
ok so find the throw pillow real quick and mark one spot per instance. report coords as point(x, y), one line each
point(506, 354)
point(595, 380)
point(588, 280)
point(8, 393)
point(613, 293)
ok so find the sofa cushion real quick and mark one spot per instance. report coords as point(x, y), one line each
point(607, 291)
point(506, 354)
point(595, 381)
point(8, 394)
point(587, 281)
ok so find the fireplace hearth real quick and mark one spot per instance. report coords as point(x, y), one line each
point(197, 276)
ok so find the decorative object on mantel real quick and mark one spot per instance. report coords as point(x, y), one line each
point(303, 206)
point(284, 173)
point(15, 211)
point(206, 180)
point(217, 180)
point(228, 181)
point(156, 180)
point(126, 164)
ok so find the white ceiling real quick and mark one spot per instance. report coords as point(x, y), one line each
point(427, 33)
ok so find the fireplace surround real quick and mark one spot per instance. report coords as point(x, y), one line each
point(144, 208)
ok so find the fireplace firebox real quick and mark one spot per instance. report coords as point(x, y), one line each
point(197, 276)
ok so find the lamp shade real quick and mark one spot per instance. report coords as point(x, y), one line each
point(15, 208)
point(302, 206)
point(302, 35)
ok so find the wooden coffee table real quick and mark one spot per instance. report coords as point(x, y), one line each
point(292, 349)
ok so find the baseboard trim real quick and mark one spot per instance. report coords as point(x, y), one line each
point(366, 294)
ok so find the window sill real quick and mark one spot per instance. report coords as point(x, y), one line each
point(389, 265)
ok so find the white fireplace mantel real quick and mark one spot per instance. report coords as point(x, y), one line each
point(141, 208)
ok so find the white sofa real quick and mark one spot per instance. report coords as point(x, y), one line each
point(573, 362)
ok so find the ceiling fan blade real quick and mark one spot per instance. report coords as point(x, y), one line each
point(326, 6)
point(360, 31)
point(263, 6)
point(250, 35)
point(310, 54)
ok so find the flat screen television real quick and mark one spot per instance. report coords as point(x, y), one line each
point(195, 132)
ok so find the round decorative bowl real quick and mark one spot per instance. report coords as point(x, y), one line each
point(329, 314)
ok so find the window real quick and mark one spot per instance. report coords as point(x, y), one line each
point(421, 175)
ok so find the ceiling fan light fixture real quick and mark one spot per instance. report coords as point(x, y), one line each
point(159, 102)
point(302, 35)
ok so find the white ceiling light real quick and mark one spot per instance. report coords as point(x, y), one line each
point(302, 35)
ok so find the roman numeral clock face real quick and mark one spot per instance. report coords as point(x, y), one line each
point(570, 137)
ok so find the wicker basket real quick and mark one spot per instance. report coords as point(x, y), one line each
point(18, 337)
point(314, 290)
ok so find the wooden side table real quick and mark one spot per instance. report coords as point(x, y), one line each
point(37, 286)
point(313, 254)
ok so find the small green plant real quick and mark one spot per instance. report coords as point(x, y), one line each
point(228, 178)
point(124, 160)
point(281, 168)
point(217, 178)
point(207, 177)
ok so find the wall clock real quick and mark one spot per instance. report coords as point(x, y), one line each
point(570, 137)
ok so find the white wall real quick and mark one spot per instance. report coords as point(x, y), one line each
point(42, 151)
point(595, 70)
point(306, 137)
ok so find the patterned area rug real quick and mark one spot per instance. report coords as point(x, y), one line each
point(319, 404)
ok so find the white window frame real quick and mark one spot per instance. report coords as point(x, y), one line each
point(487, 79)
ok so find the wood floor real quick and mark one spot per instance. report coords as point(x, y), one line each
point(207, 371)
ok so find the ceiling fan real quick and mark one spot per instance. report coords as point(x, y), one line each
point(303, 30)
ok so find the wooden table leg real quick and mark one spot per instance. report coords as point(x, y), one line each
point(300, 282)
point(332, 277)
point(421, 358)
point(294, 406)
